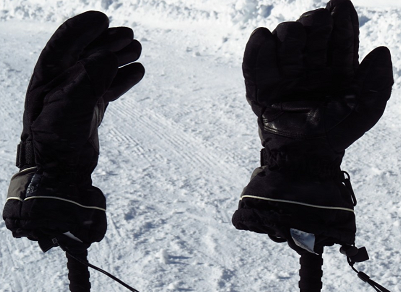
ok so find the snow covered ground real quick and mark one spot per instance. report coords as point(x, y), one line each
point(178, 149)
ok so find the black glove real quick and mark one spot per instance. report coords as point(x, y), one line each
point(313, 100)
point(77, 74)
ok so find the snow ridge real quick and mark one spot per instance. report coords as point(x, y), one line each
point(234, 19)
point(224, 11)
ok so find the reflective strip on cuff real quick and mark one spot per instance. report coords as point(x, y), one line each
point(297, 203)
point(57, 198)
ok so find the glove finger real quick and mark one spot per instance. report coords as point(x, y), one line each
point(318, 25)
point(291, 42)
point(101, 68)
point(344, 42)
point(66, 44)
point(126, 77)
point(113, 39)
point(260, 66)
point(130, 53)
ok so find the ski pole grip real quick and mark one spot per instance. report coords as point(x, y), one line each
point(311, 272)
point(78, 274)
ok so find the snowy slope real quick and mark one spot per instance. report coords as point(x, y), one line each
point(178, 149)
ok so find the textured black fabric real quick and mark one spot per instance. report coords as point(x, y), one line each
point(84, 66)
point(47, 208)
point(313, 100)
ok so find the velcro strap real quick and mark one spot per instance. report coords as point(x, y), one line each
point(300, 163)
point(25, 154)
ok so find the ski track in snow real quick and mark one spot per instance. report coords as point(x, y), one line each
point(177, 150)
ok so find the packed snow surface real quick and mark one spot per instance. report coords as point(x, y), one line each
point(179, 147)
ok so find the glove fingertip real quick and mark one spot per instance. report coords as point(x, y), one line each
point(260, 62)
point(262, 31)
point(333, 4)
point(291, 31)
point(126, 78)
point(375, 73)
point(137, 48)
point(315, 17)
point(140, 70)
point(258, 38)
point(91, 17)
point(134, 73)
point(383, 54)
point(125, 32)
point(130, 53)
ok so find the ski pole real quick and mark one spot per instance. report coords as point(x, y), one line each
point(83, 283)
point(311, 272)
point(78, 264)
point(78, 274)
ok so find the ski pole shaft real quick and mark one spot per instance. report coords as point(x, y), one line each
point(311, 272)
point(78, 274)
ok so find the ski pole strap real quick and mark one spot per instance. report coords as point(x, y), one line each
point(357, 255)
point(372, 283)
point(78, 264)
point(311, 272)
point(87, 264)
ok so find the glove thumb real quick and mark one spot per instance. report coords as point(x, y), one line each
point(374, 80)
point(361, 110)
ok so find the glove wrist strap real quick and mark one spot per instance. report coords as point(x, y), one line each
point(301, 164)
point(25, 154)
point(358, 255)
